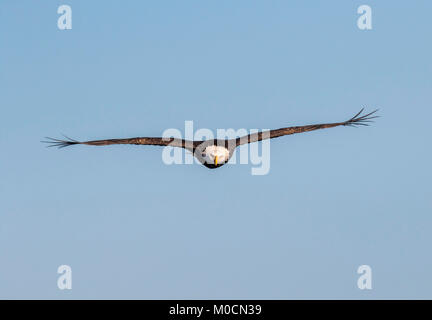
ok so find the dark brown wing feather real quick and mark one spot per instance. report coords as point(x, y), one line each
point(173, 142)
point(357, 120)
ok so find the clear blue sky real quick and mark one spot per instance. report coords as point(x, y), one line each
point(132, 227)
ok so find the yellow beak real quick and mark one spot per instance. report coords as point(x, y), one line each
point(215, 160)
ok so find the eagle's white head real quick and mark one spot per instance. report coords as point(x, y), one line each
point(216, 155)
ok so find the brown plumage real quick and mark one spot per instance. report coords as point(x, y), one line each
point(199, 147)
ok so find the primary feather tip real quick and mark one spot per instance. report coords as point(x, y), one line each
point(60, 143)
point(362, 120)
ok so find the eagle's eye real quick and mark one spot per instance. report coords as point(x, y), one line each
point(203, 155)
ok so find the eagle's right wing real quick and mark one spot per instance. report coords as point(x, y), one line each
point(173, 142)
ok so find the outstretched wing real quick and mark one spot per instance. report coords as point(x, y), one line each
point(173, 142)
point(357, 120)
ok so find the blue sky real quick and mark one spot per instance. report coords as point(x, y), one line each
point(132, 227)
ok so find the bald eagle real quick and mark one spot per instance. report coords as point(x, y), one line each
point(215, 153)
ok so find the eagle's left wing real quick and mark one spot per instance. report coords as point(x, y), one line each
point(357, 120)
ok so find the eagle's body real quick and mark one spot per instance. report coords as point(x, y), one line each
point(215, 153)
